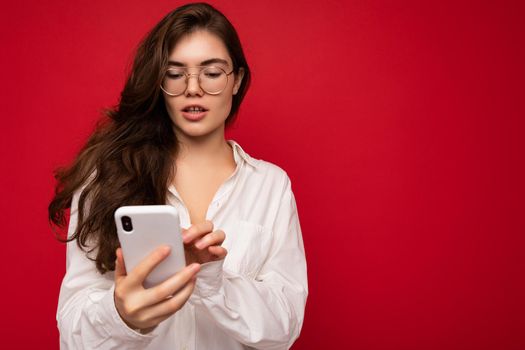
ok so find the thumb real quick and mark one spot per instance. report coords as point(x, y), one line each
point(120, 268)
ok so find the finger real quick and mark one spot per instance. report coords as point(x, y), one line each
point(168, 307)
point(169, 287)
point(120, 268)
point(214, 238)
point(197, 230)
point(218, 251)
point(144, 268)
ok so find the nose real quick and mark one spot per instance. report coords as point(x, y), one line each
point(193, 87)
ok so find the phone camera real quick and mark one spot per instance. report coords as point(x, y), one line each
point(126, 223)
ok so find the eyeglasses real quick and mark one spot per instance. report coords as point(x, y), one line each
point(212, 80)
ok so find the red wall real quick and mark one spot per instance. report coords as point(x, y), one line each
point(400, 124)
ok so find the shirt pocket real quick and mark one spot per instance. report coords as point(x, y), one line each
point(248, 245)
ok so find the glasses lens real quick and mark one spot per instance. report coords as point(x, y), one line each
point(174, 81)
point(213, 79)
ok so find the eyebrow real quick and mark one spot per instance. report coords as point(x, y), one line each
point(203, 63)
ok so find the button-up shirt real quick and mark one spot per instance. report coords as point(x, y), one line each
point(254, 298)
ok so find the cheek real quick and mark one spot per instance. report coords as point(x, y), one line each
point(171, 107)
point(225, 106)
point(167, 104)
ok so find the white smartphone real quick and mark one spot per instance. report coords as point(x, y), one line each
point(143, 228)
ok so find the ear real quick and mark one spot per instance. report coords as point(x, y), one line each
point(238, 80)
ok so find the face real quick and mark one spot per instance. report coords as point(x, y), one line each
point(191, 51)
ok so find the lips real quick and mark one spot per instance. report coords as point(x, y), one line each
point(190, 108)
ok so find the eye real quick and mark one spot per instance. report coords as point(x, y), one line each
point(212, 73)
point(174, 74)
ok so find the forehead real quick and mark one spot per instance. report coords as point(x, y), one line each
point(197, 47)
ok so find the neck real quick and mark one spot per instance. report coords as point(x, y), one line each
point(203, 150)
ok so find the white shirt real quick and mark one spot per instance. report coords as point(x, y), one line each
point(254, 298)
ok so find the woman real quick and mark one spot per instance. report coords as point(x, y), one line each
point(245, 284)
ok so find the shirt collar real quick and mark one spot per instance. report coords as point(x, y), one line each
point(239, 153)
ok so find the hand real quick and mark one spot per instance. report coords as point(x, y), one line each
point(142, 308)
point(201, 245)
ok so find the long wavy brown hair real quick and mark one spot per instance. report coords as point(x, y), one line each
point(129, 158)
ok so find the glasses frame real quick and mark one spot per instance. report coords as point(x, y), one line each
point(188, 75)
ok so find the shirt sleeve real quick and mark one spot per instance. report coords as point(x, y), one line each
point(86, 315)
point(266, 312)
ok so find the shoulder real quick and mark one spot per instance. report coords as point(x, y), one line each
point(272, 170)
point(272, 176)
point(262, 174)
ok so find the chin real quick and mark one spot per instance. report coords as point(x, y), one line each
point(195, 130)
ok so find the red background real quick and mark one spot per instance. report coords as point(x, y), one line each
point(400, 124)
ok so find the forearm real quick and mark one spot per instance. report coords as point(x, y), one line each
point(88, 319)
point(261, 314)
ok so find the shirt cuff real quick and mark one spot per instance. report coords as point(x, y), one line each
point(209, 279)
point(118, 328)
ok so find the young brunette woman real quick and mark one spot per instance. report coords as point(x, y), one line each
point(245, 283)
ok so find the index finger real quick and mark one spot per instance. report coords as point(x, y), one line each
point(197, 230)
point(120, 268)
point(172, 285)
point(144, 268)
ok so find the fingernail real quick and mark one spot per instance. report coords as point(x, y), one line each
point(166, 249)
point(195, 267)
